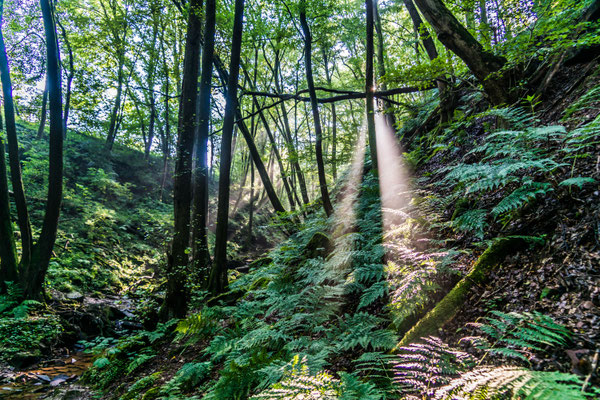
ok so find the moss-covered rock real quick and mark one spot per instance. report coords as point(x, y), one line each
point(318, 245)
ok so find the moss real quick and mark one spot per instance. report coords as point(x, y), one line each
point(261, 262)
point(447, 308)
point(318, 245)
point(151, 394)
point(139, 386)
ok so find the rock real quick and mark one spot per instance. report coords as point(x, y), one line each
point(23, 360)
point(75, 296)
point(43, 378)
point(58, 380)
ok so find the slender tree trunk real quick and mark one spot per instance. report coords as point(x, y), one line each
point(315, 110)
point(42, 126)
point(112, 129)
point(456, 38)
point(175, 303)
point(251, 211)
point(13, 154)
point(446, 102)
point(284, 176)
point(287, 133)
point(34, 273)
point(70, 77)
point(328, 75)
point(387, 106)
point(217, 282)
point(167, 136)
point(369, 85)
point(254, 153)
point(201, 253)
point(8, 250)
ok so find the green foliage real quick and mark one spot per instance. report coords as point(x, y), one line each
point(497, 383)
point(422, 367)
point(522, 163)
point(188, 377)
point(516, 335)
point(441, 372)
point(112, 224)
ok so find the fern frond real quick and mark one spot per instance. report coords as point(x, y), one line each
point(513, 383)
point(520, 197)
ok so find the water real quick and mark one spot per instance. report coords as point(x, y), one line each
point(45, 382)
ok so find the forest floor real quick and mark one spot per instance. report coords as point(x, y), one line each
point(559, 278)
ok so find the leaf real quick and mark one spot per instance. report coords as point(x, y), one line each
point(577, 181)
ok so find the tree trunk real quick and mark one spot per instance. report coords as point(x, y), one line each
point(456, 38)
point(369, 85)
point(446, 107)
point(200, 250)
point(175, 303)
point(287, 133)
point(34, 273)
point(328, 75)
point(251, 211)
point(391, 120)
point(13, 155)
point(42, 126)
point(8, 250)
point(315, 110)
point(112, 129)
point(260, 166)
point(70, 76)
point(217, 282)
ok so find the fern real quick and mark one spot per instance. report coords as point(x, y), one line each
point(298, 384)
point(520, 196)
point(471, 221)
point(374, 292)
point(423, 367)
point(577, 181)
point(515, 335)
point(514, 383)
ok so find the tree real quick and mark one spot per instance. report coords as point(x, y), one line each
point(34, 273)
point(446, 108)
point(315, 110)
point(369, 85)
point(218, 275)
point(34, 258)
point(201, 253)
point(456, 38)
point(175, 303)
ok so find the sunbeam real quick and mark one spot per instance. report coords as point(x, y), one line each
point(393, 177)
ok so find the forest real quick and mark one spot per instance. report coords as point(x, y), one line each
point(299, 199)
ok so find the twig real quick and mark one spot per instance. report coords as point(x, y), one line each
point(589, 376)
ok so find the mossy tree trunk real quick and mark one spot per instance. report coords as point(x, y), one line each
point(8, 250)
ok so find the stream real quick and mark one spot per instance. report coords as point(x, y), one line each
point(57, 378)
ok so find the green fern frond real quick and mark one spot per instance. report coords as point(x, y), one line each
point(520, 197)
point(513, 383)
point(517, 334)
point(577, 181)
point(423, 367)
point(471, 221)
